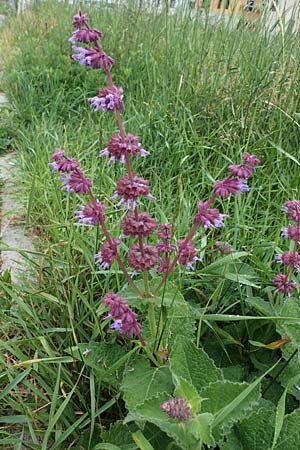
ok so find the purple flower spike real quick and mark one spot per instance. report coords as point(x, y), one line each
point(246, 169)
point(252, 160)
point(91, 214)
point(292, 209)
point(89, 57)
point(108, 99)
point(108, 253)
point(75, 182)
point(282, 284)
point(230, 186)
point(86, 35)
point(138, 224)
point(209, 217)
point(177, 408)
point(187, 254)
point(80, 20)
point(291, 259)
point(118, 149)
point(291, 232)
point(58, 154)
point(145, 260)
point(125, 318)
point(130, 189)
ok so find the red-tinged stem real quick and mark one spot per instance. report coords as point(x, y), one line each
point(130, 174)
point(172, 265)
point(118, 258)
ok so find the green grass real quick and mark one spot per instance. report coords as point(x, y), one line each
point(198, 97)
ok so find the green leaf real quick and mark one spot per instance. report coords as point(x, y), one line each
point(221, 262)
point(280, 411)
point(223, 399)
point(150, 411)
point(141, 441)
point(120, 435)
point(252, 433)
point(192, 364)
point(289, 438)
point(140, 381)
point(185, 389)
point(201, 427)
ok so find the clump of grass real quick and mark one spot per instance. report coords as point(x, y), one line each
point(199, 96)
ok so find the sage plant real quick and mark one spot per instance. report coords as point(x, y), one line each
point(289, 259)
point(131, 188)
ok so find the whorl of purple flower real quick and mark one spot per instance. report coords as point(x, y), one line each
point(246, 169)
point(80, 20)
point(62, 163)
point(108, 253)
point(125, 318)
point(282, 284)
point(89, 57)
point(230, 186)
point(129, 189)
point(292, 209)
point(209, 217)
point(86, 35)
point(90, 214)
point(291, 232)
point(165, 231)
point(117, 149)
point(177, 408)
point(291, 259)
point(187, 254)
point(142, 260)
point(75, 182)
point(108, 99)
point(141, 224)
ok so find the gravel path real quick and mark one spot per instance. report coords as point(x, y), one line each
point(13, 240)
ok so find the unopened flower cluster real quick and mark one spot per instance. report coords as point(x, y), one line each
point(289, 259)
point(145, 252)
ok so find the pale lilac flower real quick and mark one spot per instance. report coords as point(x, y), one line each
point(89, 57)
point(230, 186)
point(58, 154)
point(291, 259)
point(129, 189)
point(90, 214)
point(108, 253)
point(86, 35)
point(187, 254)
point(241, 171)
point(145, 260)
point(252, 160)
point(108, 99)
point(282, 284)
point(291, 232)
point(292, 208)
point(125, 318)
point(75, 182)
point(141, 224)
point(177, 408)
point(80, 20)
point(209, 217)
point(118, 148)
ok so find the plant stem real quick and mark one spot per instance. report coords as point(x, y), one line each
point(152, 322)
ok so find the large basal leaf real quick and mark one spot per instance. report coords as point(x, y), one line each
point(141, 381)
point(120, 435)
point(219, 395)
point(193, 364)
point(187, 435)
point(180, 321)
point(289, 438)
point(253, 433)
